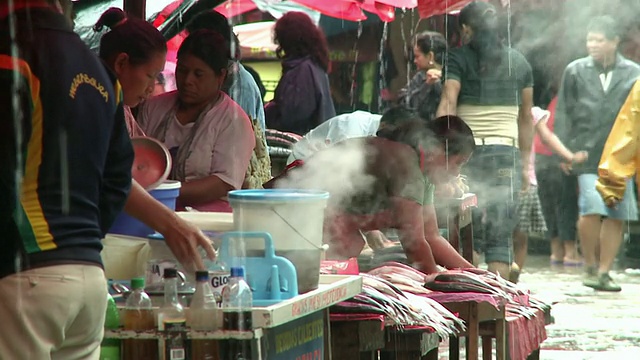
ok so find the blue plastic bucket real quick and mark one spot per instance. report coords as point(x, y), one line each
point(167, 193)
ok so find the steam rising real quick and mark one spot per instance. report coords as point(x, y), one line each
point(340, 170)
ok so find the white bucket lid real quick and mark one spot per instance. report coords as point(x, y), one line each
point(169, 185)
point(277, 195)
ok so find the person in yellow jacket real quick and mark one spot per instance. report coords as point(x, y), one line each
point(619, 163)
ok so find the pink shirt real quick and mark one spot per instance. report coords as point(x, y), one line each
point(538, 115)
point(222, 145)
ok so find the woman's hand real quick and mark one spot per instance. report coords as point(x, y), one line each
point(580, 157)
point(184, 238)
point(433, 76)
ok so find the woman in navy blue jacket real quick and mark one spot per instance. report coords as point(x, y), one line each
point(302, 98)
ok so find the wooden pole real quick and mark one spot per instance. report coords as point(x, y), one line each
point(136, 8)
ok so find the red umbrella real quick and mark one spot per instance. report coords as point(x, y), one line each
point(232, 8)
point(341, 9)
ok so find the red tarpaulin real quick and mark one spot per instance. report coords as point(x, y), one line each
point(231, 8)
point(429, 8)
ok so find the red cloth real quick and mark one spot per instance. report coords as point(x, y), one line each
point(442, 297)
point(525, 335)
point(538, 146)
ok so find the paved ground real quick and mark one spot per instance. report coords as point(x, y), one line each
point(589, 325)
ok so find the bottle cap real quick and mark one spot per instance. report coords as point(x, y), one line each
point(202, 276)
point(170, 273)
point(137, 283)
point(237, 272)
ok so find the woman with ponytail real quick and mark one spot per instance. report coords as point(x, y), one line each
point(135, 51)
point(490, 86)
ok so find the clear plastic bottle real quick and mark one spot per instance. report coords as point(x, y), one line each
point(237, 301)
point(203, 315)
point(110, 348)
point(172, 320)
point(138, 316)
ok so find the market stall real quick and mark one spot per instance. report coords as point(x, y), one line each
point(277, 328)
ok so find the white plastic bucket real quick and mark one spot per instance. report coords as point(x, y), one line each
point(294, 218)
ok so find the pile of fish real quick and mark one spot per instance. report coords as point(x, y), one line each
point(380, 296)
point(475, 280)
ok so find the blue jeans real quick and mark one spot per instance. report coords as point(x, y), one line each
point(494, 175)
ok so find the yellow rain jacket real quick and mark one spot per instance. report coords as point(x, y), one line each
point(621, 156)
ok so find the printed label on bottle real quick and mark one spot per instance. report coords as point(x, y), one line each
point(177, 354)
point(219, 280)
point(175, 339)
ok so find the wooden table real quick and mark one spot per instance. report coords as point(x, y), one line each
point(473, 313)
point(457, 214)
point(367, 339)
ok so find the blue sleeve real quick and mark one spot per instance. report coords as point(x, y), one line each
point(295, 100)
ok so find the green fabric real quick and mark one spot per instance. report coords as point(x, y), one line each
point(499, 85)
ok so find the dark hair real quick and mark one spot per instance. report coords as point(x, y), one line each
point(215, 21)
point(482, 18)
point(137, 38)
point(604, 25)
point(449, 132)
point(208, 46)
point(397, 115)
point(431, 41)
point(297, 36)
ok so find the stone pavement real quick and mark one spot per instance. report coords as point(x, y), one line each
point(589, 325)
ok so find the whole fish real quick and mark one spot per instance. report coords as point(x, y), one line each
point(398, 268)
point(399, 279)
point(348, 307)
point(382, 285)
point(456, 287)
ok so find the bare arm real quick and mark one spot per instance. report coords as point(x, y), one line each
point(411, 230)
point(182, 237)
point(552, 141)
point(203, 191)
point(443, 253)
point(525, 132)
point(449, 100)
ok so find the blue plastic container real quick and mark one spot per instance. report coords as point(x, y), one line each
point(167, 193)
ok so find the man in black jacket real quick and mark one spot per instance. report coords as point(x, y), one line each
point(592, 91)
point(65, 173)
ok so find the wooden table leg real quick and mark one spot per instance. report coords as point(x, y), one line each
point(453, 230)
point(487, 348)
point(454, 348)
point(473, 332)
point(431, 355)
point(501, 339)
point(466, 237)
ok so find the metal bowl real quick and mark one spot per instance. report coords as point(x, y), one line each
point(152, 162)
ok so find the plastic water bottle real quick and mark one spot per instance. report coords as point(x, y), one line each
point(138, 316)
point(203, 315)
point(219, 278)
point(172, 320)
point(237, 302)
point(110, 348)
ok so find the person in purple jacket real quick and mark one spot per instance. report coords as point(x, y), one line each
point(302, 98)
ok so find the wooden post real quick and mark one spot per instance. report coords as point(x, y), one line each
point(136, 8)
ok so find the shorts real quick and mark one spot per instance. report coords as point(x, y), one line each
point(494, 174)
point(530, 213)
point(558, 194)
point(591, 203)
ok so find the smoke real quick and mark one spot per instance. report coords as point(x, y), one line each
point(340, 170)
